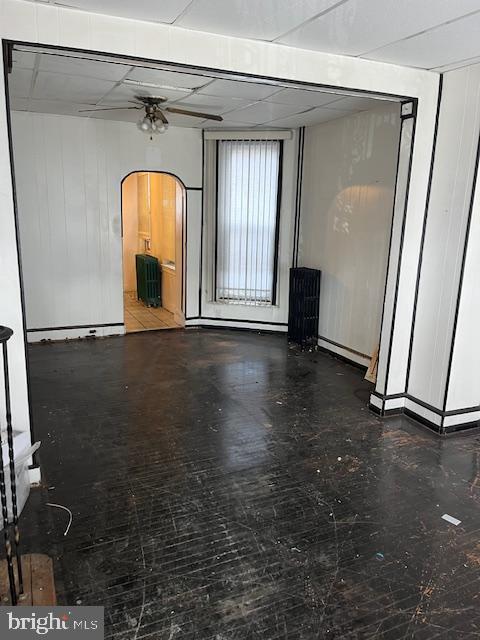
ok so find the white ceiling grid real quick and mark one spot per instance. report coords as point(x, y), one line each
point(60, 83)
point(431, 34)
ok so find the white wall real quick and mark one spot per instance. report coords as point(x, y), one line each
point(453, 173)
point(345, 221)
point(68, 173)
point(464, 388)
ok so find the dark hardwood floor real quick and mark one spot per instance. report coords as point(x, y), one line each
point(225, 486)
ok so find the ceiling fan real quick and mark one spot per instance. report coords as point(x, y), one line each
point(154, 120)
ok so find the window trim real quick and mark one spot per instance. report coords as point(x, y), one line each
point(276, 237)
point(277, 225)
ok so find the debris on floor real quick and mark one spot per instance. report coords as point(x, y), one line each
point(451, 519)
point(60, 506)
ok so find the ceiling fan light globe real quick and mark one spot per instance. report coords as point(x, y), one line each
point(144, 125)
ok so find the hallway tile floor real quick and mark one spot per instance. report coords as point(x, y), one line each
point(139, 317)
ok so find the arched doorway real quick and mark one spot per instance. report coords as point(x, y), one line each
point(153, 205)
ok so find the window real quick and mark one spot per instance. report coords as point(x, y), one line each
point(248, 204)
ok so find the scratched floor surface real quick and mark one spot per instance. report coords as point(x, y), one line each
point(226, 487)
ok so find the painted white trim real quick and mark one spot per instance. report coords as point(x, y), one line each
point(376, 401)
point(350, 355)
point(461, 418)
point(35, 475)
point(235, 325)
point(72, 334)
point(249, 135)
point(394, 403)
point(423, 412)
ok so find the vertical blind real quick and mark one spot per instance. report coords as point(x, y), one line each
point(246, 220)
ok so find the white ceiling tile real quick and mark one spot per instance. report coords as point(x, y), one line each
point(430, 49)
point(119, 115)
point(124, 93)
point(315, 116)
point(459, 64)
point(19, 83)
point(149, 10)
point(355, 104)
point(239, 89)
point(57, 107)
point(264, 20)
point(168, 78)
point(212, 104)
point(23, 59)
point(303, 97)
point(82, 67)
point(226, 124)
point(177, 120)
point(57, 86)
point(261, 112)
point(360, 26)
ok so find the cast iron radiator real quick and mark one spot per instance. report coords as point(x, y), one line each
point(148, 280)
point(304, 305)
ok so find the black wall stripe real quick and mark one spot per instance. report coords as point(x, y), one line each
point(202, 222)
point(215, 263)
point(277, 224)
point(422, 242)
point(426, 405)
point(298, 196)
point(439, 429)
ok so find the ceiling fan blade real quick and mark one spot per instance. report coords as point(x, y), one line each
point(109, 109)
point(195, 114)
point(161, 116)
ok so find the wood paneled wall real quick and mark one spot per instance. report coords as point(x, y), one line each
point(69, 172)
point(347, 203)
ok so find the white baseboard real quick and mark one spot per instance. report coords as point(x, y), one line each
point(35, 475)
point(344, 352)
point(75, 333)
point(234, 324)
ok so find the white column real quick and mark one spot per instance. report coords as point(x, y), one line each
point(10, 296)
point(442, 382)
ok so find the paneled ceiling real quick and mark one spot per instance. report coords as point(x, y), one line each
point(51, 81)
point(430, 34)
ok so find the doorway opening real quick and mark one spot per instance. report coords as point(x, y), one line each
point(152, 218)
